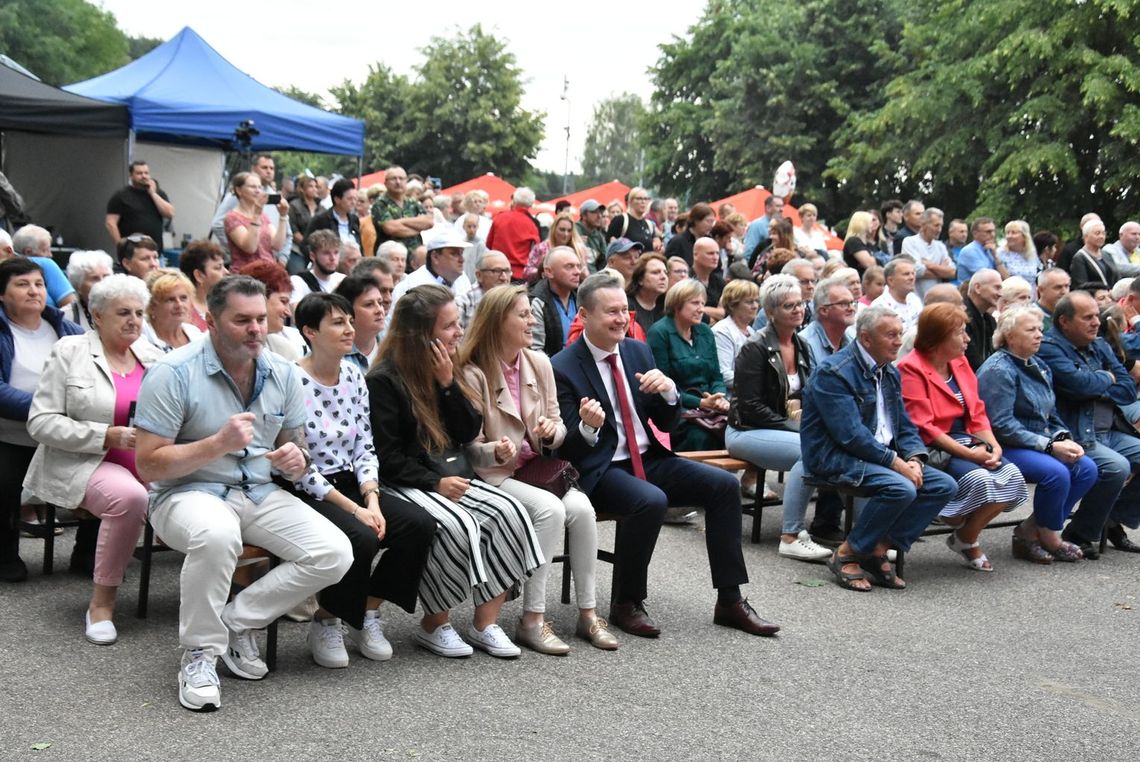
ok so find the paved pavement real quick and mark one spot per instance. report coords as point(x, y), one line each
point(1025, 663)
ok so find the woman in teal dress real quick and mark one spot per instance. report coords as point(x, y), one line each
point(685, 350)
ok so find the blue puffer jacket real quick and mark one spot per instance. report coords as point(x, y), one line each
point(1019, 401)
point(14, 403)
point(837, 429)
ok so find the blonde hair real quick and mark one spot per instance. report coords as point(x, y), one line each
point(681, 292)
point(483, 345)
point(858, 225)
point(737, 291)
point(162, 284)
point(1007, 321)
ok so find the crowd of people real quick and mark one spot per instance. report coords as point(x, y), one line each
point(342, 373)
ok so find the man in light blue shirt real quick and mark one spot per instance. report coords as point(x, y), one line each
point(215, 420)
point(981, 253)
point(758, 231)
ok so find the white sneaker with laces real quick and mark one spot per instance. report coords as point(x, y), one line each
point(370, 640)
point(326, 640)
point(198, 684)
point(804, 548)
point(494, 641)
point(242, 658)
point(443, 641)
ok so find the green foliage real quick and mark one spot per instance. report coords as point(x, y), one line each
point(61, 41)
point(614, 147)
point(137, 47)
point(1010, 108)
point(383, 102)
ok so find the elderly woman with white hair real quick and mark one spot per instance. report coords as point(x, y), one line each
point(1017, 390)
point(1019, 254)
point(764, 419)
point(84, 270)
point(81, 417)
point(1015, 292)
point(396, 255)
point(1090, 269)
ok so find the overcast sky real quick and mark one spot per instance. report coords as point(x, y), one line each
point(312, 45)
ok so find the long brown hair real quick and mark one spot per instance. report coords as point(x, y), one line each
point(483, 344)
point(408, 348)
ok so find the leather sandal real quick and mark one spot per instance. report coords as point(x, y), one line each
point(842, 578)
point(956, 545)
point(1067, 552)
point(873, 567)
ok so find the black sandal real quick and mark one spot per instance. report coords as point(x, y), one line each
point(842, 578)
point(873, 568)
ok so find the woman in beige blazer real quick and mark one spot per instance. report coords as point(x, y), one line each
point(519, 403)
point(81, 416)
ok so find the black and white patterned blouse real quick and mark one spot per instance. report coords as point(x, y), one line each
point(337, 430)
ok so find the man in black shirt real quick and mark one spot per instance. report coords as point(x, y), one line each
point(141, 207)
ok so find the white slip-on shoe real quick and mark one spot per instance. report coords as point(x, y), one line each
point(100, 633)
point(443, 641)
point(494, 641)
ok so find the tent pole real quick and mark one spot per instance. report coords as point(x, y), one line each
point(359, 170)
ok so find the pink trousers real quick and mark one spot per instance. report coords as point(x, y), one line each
point(115, 496)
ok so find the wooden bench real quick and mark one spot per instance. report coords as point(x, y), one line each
point(725, 462)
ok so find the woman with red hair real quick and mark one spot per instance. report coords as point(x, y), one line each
point(283, 339)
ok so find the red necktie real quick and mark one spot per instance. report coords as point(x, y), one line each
point(626, 417)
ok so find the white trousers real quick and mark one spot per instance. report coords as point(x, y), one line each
point(210, 531)
point(572, 517)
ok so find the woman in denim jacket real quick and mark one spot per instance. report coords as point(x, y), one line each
point(1018, 392)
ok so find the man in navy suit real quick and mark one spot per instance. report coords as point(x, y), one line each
point(608, 389)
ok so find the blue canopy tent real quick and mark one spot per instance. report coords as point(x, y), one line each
point(186, 101)
point(184, 91)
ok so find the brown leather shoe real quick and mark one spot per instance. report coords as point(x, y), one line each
point(741, 616)
point(634, 619)
point(596, 631)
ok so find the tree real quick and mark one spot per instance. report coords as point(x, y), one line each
point(614, 145)
point(383, 102)
point(466, 111)
point(1013, 109)
point(137, 47)
point(62, 41)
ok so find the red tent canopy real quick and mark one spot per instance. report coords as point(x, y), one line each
point(750, 203)
point(497, 188)
point(376, 178)
point(603, 194)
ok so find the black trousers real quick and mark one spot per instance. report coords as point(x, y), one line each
point(641, 504)
point(14, 462)
point(396, 578)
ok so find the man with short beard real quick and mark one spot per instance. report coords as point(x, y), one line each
point(322, 275)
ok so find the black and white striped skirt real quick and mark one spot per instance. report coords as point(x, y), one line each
point(485, 544)
point(978, 487)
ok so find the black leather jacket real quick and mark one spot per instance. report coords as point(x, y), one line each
point(761, 383)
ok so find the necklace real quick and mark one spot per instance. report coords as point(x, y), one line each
point(116, 367)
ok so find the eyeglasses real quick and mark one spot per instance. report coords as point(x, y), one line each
point(845, 305)
point(139, 238)
point(791, 306)
point(496, 270)
point(808, 281)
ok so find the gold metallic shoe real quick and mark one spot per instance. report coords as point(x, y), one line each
point(541, 638)
point(597, 631)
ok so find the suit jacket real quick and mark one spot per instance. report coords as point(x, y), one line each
point(538, 396)
point(72, 409)
point(577, 376)
point(929, 401)
point(326, 220)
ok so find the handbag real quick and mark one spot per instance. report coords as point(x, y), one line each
point(710, 420)
point(940, 459)
point(552, 474)
point(451, 461)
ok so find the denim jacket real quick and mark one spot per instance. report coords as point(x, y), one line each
point(1080, 378)
point(1019, 400)
point(837, 431)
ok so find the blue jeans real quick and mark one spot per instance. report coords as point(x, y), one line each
point(775, 450)
point(896, 511)
point(1116, 455)
point(1059, 486)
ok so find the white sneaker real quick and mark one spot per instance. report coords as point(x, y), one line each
point(804, 548)
point(443, 641)
point(326, 640)
point(198, 685)
point(242, 658)
point(494, 641)
point(370, 640)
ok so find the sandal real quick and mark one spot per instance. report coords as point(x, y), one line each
point(842, 578)
point(873, 567)
point(1067, 552)
point(1030, 550)
point(956, 545)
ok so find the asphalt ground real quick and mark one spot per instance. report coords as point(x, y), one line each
point(1026, 663)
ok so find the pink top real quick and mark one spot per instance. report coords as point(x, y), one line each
point(126, 392)
point(511, 376)
point(238, 258)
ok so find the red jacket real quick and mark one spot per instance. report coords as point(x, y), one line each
point(514, 232)
point(929, 401)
